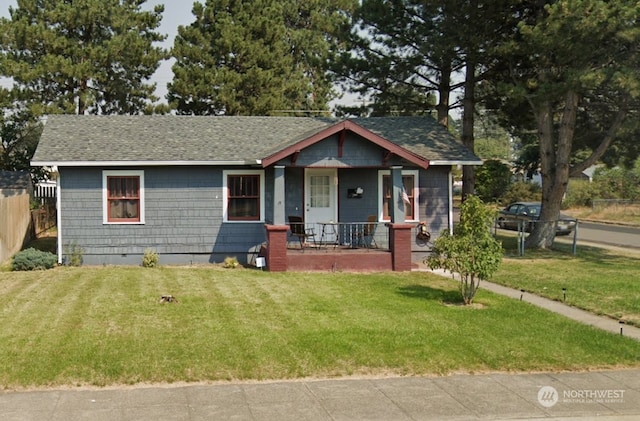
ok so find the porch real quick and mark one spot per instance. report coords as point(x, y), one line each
point(345, 247)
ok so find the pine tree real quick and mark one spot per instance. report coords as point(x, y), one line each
point(256, 57)
point(81, 56)
point(572, 59)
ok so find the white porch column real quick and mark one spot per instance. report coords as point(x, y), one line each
point(278, 196)
point(397, 211)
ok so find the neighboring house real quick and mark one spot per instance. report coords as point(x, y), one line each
point(588, 173)
point(198, 189)
point(15, 216)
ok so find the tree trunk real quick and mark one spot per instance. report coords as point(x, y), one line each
point(468, 105)
point(554, 160)
point(444, 90)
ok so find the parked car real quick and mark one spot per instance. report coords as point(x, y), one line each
point(526, 212)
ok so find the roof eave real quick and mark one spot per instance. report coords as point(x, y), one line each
point(454, 162)
point(140, 163)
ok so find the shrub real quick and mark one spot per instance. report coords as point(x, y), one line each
point(230, 263)
point(150, 258)
point(74, 255)
point(579, 193)
point(522, 192)
point(492, 179)
point(32, 259)
point(471, 252)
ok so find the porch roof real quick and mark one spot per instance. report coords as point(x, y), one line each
point(71, 140)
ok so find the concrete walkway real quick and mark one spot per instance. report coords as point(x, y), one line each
point(605, 395)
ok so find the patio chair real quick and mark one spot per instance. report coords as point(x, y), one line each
point(299, 231)
point(367, 236)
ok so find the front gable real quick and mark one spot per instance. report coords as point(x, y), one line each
point(345, 144)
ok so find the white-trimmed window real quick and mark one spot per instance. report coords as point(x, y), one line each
point(243, 195)
point(123, 197)
point(411, 188)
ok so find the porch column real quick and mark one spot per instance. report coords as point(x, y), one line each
point(276, 247)
point(397, 211)
point(400, 244)
point(278, 195)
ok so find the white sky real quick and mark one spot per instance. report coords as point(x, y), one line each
point(176, 12)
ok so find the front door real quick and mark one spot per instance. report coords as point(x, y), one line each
point(321, 198)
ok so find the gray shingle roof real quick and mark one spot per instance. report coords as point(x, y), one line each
point(121, 139)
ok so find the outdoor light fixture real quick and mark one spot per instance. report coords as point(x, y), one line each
point(621, 324)
point(355, 193)
point(521, 294)
point(564, 294)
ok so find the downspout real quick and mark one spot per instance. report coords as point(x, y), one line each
point(450, 201)
point(59, 216)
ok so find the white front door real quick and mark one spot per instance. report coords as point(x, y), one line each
point(321, 197)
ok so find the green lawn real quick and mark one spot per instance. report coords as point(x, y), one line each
point(595, 279)
point(72, 326)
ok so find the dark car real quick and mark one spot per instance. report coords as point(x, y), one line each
point(526, 212)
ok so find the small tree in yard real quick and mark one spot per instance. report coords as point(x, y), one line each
point(471, 252)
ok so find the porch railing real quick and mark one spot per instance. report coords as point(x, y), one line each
point(374, 235)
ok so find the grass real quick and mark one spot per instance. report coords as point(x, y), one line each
point(101, 326)
point(598, 280)
point(627, 214)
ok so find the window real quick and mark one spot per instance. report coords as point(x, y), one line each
point(410, 183)
point(243, 195)
point(123, 197)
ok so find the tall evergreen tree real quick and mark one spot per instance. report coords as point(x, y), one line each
point(81, 56)
point(409, 49)
point(571, 60)
point(256, 57)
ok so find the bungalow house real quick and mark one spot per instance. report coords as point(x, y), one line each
point(198, 189)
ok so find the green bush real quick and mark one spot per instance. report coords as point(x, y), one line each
point(580, 193)
point(617, 183)
point(522, 192)
point(150, 258)
point(32, 259)
point(492, 180)
point(471, 252)
point(230, 263)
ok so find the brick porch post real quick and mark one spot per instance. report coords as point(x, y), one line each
point(276, 247)
point(400, 244)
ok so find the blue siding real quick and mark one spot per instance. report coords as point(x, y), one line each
point(183, 218)
point(183, 212)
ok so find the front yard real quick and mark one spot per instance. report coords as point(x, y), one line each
point(101, 326)
point(598, 280)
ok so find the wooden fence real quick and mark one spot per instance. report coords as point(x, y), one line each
point(15, 223)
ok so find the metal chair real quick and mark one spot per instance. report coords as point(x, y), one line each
point(367, 236)
point(299, 231)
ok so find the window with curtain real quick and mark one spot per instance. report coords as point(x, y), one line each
point(409, 183)
point(243, 197)
point(123, 198)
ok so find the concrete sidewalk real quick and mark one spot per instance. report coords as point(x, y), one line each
point(607, 395)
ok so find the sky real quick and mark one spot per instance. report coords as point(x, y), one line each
point(176, 12)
